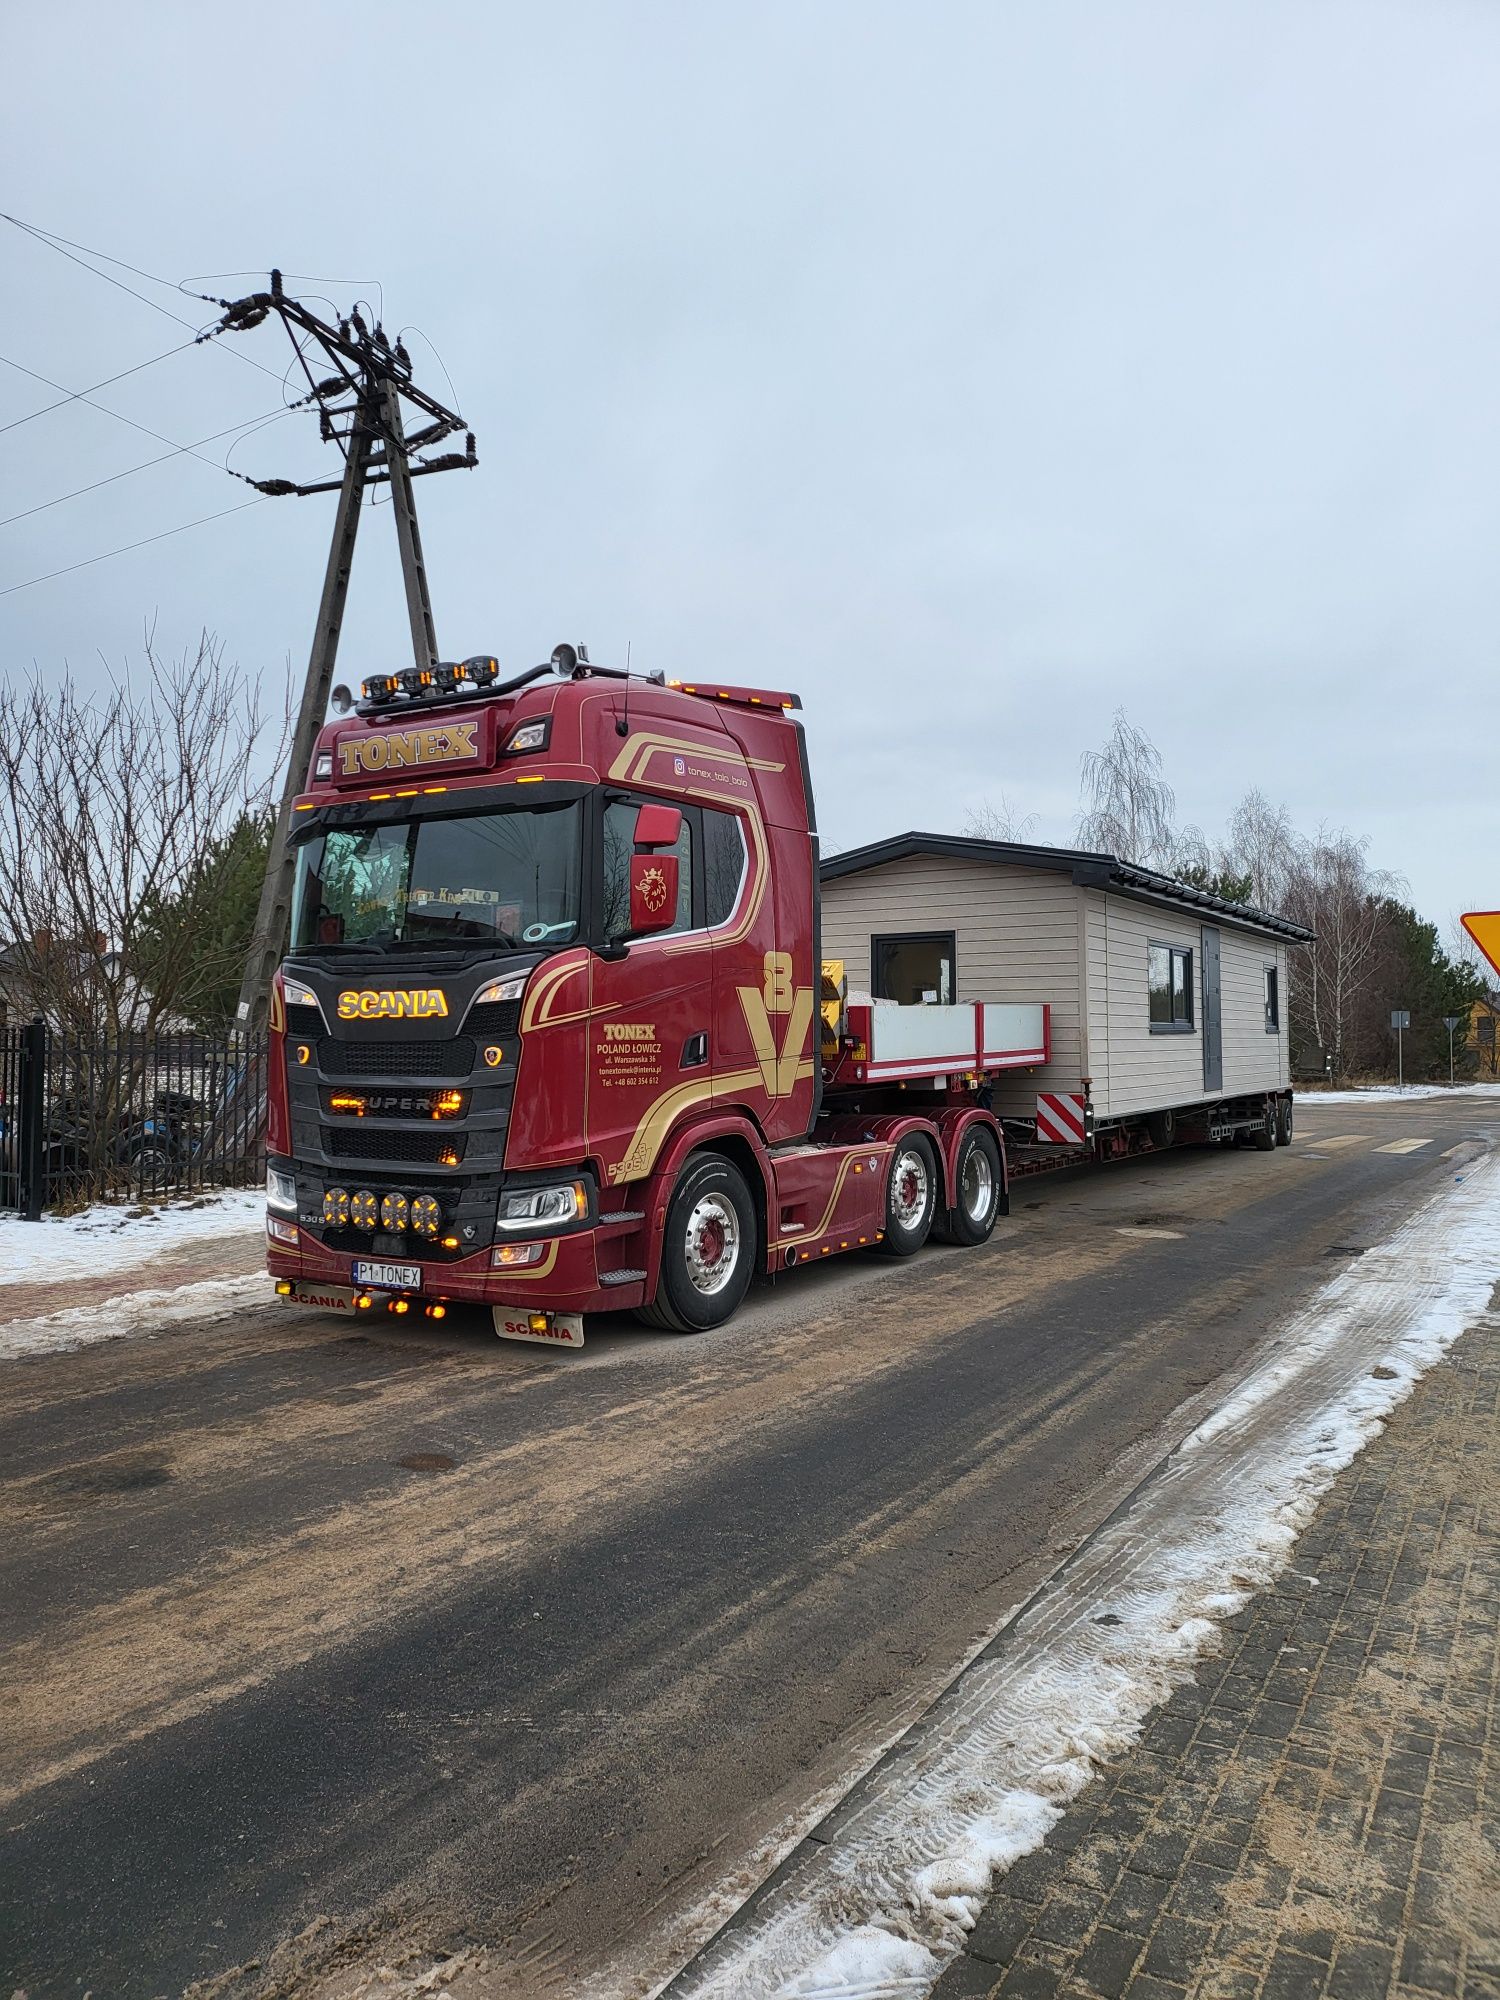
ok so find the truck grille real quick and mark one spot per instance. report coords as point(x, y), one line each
point(437, 1060)
point(415, 1148)
point(496, 1017)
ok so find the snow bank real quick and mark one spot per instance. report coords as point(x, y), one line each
point(109, 1237)
point(129, 1313)
point(878, 1911)
point(1391, 1093)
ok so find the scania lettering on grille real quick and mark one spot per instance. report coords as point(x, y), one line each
point(396, 749)
point(387, 1003)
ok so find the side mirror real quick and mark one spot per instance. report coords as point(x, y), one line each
point(653, 890)
point(657, 826)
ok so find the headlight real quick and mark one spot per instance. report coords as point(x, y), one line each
point(297, 995)
point(281, 1190)
point(501, 989)
point(535, 1208)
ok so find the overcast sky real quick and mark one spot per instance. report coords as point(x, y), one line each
point(971, 369)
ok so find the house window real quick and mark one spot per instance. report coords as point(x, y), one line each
point(1273, 1000)
point(919, 968)
point(1169, 982)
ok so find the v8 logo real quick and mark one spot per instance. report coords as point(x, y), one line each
point(780, 1069)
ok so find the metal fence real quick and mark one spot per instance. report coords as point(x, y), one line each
point(88, 1118)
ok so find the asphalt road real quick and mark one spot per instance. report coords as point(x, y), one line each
point(325, 1648)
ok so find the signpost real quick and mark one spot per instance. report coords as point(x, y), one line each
point(1400, 1018)
point(1450, 1022)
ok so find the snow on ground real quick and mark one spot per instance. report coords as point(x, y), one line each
point(877, 1911)
point(1393, 1093)
point(110, 1237)
point(129, 1312)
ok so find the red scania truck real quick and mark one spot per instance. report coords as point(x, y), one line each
point(554, 1035)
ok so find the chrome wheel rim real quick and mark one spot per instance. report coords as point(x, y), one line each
point(712, 1250)
point(978, 1184)
point(908, 1189)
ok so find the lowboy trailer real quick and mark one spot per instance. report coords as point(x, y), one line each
point(555, 1036)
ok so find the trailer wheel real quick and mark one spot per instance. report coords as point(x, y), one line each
point(1263, 1138)
point(977, 1184)
point(1284, 1122)
point(708, 1248)
point(1162, 1126)
point(910, 1197)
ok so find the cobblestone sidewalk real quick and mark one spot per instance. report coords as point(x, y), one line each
point(1319, 1811)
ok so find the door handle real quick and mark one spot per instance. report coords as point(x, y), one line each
point(694, 1051)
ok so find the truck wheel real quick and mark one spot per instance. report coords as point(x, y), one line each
point(977, 1183)
point(910, 1197)
point(1284, 1122)
point(708, 1248)
point(1263, 1138)
point(1162, 1126)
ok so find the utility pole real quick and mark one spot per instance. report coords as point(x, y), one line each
point(360, 410)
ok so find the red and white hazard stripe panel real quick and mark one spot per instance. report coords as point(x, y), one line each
point(1060, 1119)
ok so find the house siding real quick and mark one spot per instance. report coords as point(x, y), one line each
point(1015, 938)
point(1028, 934)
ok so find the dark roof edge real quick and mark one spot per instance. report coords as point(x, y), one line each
point(1085, 869)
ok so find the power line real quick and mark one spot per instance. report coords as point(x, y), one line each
point(250, 423)
point(82, 395)
point(65, 249)
point(145, 542)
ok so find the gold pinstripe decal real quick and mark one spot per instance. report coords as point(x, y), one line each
point(812, 1235)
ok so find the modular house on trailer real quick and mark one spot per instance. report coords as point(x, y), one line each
point(1167, 1005)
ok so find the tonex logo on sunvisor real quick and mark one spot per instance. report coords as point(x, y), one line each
point(386, 1003)
point(402, 749)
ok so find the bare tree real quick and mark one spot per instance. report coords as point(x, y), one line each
point(1260, 844)
point(112, 801)
point(988, 821)
point(1331, 888)
point(1129, 809)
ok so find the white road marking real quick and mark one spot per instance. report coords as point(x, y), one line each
point(1344, 1139)
point(881, 1906)
point(1404, 1146)
point(1166, 1235)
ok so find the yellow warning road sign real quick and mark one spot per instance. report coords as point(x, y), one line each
point(1484, 927)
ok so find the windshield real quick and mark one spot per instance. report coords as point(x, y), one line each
point(499, 877)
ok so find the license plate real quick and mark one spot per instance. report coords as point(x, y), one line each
point(561, 1330)
point(390, 1277)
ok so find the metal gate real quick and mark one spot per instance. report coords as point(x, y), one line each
point(1213, 1013)
point(98, 1118)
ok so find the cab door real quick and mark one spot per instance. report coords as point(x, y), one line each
point(651, 1000)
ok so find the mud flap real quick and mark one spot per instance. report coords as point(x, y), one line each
point(551, 1329)
point(334, 1298)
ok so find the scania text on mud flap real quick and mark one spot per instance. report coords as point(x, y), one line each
point(553, 1035)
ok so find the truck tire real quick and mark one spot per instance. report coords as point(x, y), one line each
point(1263, 1138)
point(911, 1192)
point(978, 1184)
point(1284, 1122)
point(708, 1248)
point(1162, 1126)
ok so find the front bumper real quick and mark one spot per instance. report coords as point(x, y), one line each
point(566, 1280)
